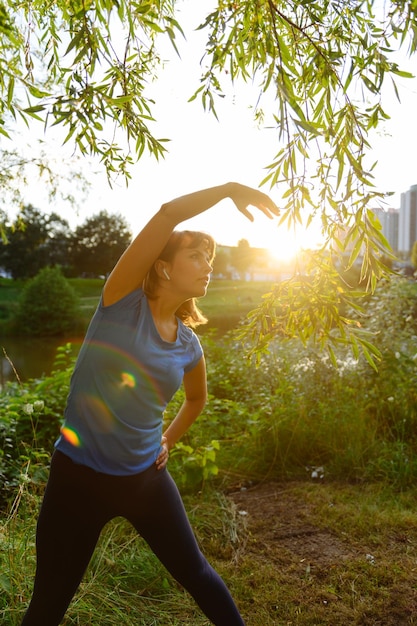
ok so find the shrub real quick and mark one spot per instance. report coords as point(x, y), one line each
point(48, 306)
point(31, 414)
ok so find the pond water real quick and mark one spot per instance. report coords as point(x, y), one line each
point(27, 357)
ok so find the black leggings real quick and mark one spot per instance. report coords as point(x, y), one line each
point(78, 502)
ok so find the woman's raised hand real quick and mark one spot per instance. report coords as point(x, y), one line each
point(244, 196)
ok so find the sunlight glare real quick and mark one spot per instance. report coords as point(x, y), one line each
point(283, 243)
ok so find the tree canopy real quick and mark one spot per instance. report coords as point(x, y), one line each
point(36, 240)
point(320, 67)
point(98, 244)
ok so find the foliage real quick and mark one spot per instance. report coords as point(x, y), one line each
point(320, 67)
point(48, 306)
point(296, 410)
point(242, 257)
point(316, 305)
point(312, 60)
point(30, 418)
point(33, 241)
point(98, 244)
point(221, 262)
point(18, 166)
point(85, 67)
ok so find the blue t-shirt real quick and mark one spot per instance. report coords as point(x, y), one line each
point(123, 379)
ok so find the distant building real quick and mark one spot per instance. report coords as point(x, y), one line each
point(389, 220)
point(407, 227)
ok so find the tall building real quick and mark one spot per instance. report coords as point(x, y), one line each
point(389, 220)
point(407, 227)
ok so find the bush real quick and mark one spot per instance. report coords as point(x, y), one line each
point(48, 306)
point(31, 415)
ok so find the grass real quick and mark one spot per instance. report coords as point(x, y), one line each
point(228, 301)
point(368, 579)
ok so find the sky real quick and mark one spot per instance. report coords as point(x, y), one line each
point(205, 152)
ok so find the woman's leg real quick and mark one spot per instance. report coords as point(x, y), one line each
point(68, 528)
point(162, 521)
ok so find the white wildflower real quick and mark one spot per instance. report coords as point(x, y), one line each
point(28, 408)
point(38, 405)
point(317, 472)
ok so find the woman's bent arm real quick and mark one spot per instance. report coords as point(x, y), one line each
point(195, 387)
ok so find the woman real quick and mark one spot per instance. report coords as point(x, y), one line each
point(110, 459)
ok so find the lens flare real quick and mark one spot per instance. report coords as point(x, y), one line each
point(100, 417)
point(71, 436)
point(128, 380)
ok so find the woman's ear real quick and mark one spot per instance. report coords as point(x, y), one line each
point(161, 270)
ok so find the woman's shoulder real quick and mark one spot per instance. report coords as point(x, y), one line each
point(188, 336)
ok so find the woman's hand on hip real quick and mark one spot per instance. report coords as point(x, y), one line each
point(163, 456)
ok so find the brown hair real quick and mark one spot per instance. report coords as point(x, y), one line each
point(188, 312)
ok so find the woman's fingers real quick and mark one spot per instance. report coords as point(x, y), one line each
point(163, 456)
point(244, 210)
point(246, 196)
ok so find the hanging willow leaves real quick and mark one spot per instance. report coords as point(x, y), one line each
point(320, 67)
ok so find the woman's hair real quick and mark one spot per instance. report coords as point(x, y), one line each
point(188, 312)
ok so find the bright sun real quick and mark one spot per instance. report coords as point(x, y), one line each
point(284, 244)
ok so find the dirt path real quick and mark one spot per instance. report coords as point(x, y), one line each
point(336, 579)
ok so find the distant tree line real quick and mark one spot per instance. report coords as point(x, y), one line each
point(35, 240)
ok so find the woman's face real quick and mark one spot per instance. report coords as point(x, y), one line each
point(190, 271)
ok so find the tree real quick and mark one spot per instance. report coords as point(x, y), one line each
point(98, 243)
point(57, 245)
point(34, 240)
point(242, 257)
point(48, 306)
point(320, 67)
point(221, 262)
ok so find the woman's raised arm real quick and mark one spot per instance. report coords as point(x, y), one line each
point(139, 257)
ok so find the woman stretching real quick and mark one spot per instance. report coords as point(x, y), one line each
point(110, 459)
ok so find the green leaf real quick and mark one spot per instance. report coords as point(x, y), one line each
point(36, 92)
